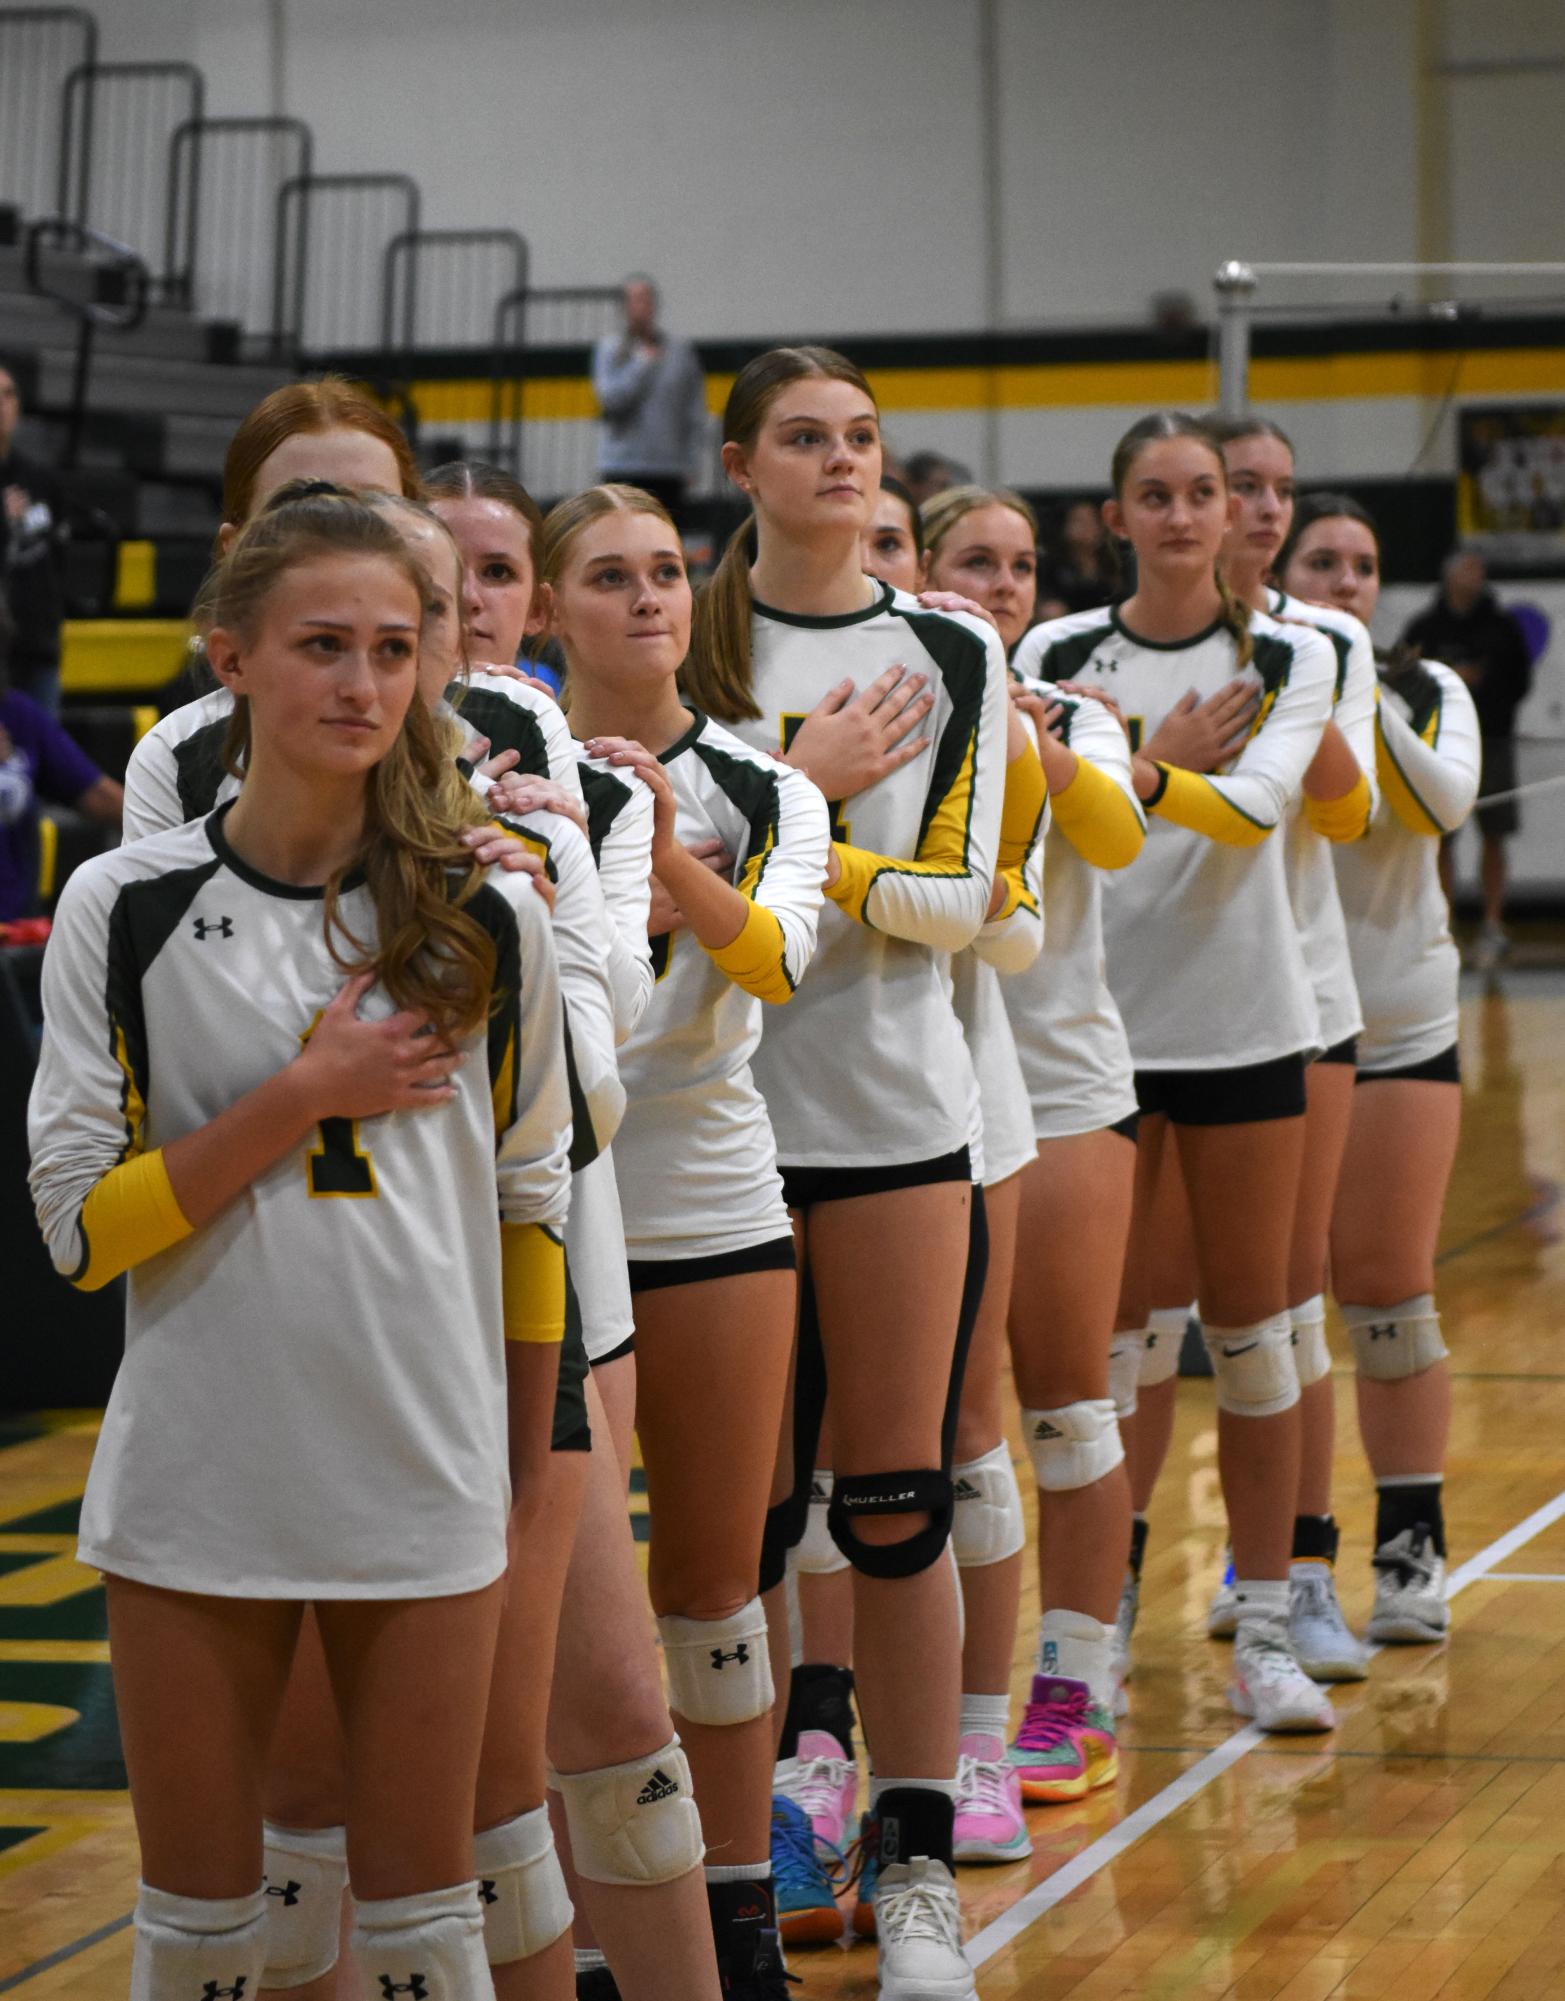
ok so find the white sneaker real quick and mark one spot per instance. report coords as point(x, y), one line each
point(1489, 948)
point(1119, 1645)
point(1222, 1615)
point(1410, 1608)
point(1270, 1685)
point(1320, 1637)
point(918, 1922)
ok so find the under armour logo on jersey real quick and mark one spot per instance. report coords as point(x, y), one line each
point(487, 1894)
point(212, 1992)
point(740, 1656)
point(1103, 666)
point(659, 1787)
point(222, 926)
point(415, 1987)
point(289, 1892)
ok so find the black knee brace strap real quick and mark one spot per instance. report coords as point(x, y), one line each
point(856, 1495)
point(785, 1526)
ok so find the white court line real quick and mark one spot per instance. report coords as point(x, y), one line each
point(1027, 1910)
point(1521, 1577)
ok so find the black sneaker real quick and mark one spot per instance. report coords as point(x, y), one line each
point(766, 1978)
point(596, 1984)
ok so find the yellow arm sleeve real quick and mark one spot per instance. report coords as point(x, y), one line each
point(532, 1282)
point(130, 1216)
point(1096, 817)
point(1343, 819)
point(1026, 793)
point(1190, 801)
point(1017, 896)
point(755, 960)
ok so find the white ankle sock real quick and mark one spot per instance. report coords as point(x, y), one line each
point(738, 1872)
point(986, 1715)
point(1080, 1648)
point(1261, 1598)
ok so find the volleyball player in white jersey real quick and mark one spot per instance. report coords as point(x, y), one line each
point(180, 1132)
point(711, 1254)
point(866, 1076)
point(1335, 805)
point(1219, 1060)
point(1407, 1106)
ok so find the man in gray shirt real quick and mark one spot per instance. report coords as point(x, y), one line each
point(652, 396)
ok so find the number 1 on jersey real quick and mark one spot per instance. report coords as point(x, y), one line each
point(839, 826)
point(338, 1166)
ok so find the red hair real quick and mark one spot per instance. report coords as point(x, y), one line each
point(330, 403)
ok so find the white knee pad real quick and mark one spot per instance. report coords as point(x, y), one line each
point(1162, 1340)
point(200, 1946)
point(1254, 1367)
point(306, 1874)
point(1125, 1371)
point(987, 1526)
point(1391, 1343)
point(634, 1823)
point(1073, 1446)
point(427, 1947)
point(818, 1555)
point(719, 1670)
point(521, 1887)
point(1311, 1356)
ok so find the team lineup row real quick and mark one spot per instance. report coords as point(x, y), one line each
point(1103, 967)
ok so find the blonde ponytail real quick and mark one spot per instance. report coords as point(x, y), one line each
point(716, 677)
point(1237, 619)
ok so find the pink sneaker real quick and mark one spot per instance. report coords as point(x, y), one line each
point(826, 1786)
point(989, 1824)
point(1066, 1745)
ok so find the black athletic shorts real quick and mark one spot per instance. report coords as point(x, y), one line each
point(626, 1347)
point(1128, 1127)
point(1345, 1051)
point(1244, 1095)
point(572, 1432)
point(653, 1274)
point(1499, 775)
point(1446, 1068)
point(805, 1186)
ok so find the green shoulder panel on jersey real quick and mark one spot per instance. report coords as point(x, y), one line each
point(963, 661)
point(507, 725)
point(1068, 656)
point(1422, 692)
point(493, 911)
point(606, 797)
point(199, 770)
point(1342, 646)
point(756, 793)
point(145, 916)
point(1272, 659)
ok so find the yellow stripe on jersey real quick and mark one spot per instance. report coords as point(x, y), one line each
point(942, 851)
point(532, 1282)
point(1017, 897)
point(756, 959)
point(1191, 800)
point(1397, 790)
point(1026, 794)
point(132, 1104)
point(1342, 819)
point(1098, 819)
point(130, 1216)
point(502, 1087)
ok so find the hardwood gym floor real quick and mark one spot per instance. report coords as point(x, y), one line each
point(1419, 1851)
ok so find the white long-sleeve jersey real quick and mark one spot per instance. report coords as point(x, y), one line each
point(312, 1401)
point(695, 1158)
point(176, 772)
point(1313, 830)
point(1204, 957)
point(1070, 1040)
point(918, 854)
point(1430, 761)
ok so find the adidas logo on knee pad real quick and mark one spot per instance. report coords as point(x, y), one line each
point(659, 1787)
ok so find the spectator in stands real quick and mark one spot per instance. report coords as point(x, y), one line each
point(1469, 630)
point(32, 526)
point(929, 473)
point(652, 395)
point(38, 760)
point(1083, 570)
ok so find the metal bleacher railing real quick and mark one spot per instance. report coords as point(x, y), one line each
point(333, 233)
point(223, 223)
point(116, 124)
point(537, 400)
point(39, 48)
